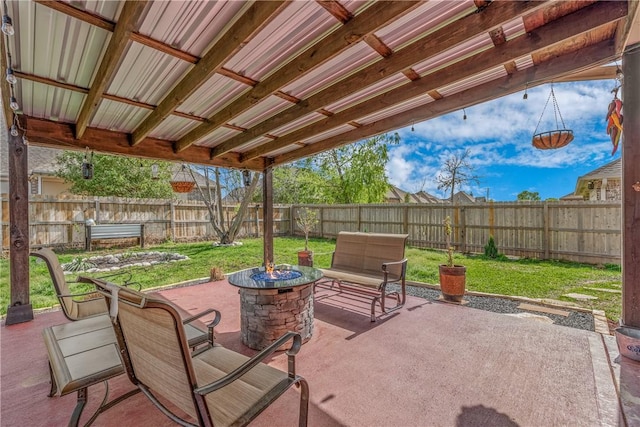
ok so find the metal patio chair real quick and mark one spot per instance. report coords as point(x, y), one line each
point(213, 386)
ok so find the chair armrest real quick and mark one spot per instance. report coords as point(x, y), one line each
point(126, 282)
point(210, 326)
point(255, 360)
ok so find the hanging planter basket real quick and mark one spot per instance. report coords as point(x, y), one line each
point(182, 181)
point(552, 139)
point(182, 186)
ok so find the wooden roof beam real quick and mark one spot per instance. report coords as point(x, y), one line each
point(119, 39)
point(61, 135)
point(599, 53)
point(565, 28)
point(494, 15)
point(374, 17)
point(242, 31)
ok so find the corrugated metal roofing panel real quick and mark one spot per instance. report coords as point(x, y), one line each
point(252, 144)
point(173, 128)
point(146, 74)
point(514, 28)
point(216, 137)
point(524, 62)
point(107, 9)
point(57, 46)
point(117, 116)
point(478, 79)
point(266, 108)
point(165, 21)
point(423, 20)
point(469, 47)
point(396, 109)
point(328, 134)
point(297, 124)
point(382, 86)
point(48, 102)
point(214, 94)
point(343, 64)
point(282, 39)
point(283, 150)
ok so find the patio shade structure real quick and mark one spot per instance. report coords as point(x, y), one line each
point(254, 85)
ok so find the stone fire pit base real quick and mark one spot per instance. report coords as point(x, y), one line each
point(266, 314)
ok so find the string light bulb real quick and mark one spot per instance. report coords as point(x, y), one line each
point(13, 103)
point(525, 96)
point(14, 130)
point(11, 78)
point(7, 25)
point(412, 128)
point(464, 114)
point(25, 141)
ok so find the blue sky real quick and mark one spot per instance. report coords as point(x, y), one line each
point(499, 132)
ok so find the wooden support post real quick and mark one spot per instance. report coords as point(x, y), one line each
point(631, 188)
point(267, 223)
point(19, 309)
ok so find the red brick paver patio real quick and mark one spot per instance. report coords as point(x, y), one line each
point(429, 364)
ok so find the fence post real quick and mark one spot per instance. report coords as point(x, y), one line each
point(358, 218)
point(545, 223)
point(97, 209)
point(172, 220)
point(292, 230)
point(321, 222)
point(257, 220)
point(405, 220)
point(463, 231)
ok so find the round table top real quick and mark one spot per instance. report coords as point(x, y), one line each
point(245, 279)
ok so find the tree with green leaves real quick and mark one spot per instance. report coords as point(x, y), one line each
point(115, 176)
point(355, 173)
point(298, 183)
point(456, 171)
point(529, 195)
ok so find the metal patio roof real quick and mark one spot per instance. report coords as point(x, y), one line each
point(257, 84)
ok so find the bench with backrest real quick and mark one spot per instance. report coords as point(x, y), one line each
point(366, 263)
point(113, 231)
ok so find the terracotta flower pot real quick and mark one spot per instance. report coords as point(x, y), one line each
point(305, 258)
point(452, 282)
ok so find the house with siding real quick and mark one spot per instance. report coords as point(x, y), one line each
point(604, 183)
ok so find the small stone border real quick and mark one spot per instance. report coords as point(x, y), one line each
point(125, 260)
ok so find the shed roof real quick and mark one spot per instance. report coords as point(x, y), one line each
point(254, 84)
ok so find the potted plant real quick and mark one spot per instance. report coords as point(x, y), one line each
point(306, 221)
point(452, 277)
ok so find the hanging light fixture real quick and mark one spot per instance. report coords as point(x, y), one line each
point(556, 138)
point(246, 177)
point(87, 165)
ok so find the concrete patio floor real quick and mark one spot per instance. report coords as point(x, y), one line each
point(428, 364)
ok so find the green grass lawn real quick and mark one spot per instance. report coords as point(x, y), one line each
point(525, 277)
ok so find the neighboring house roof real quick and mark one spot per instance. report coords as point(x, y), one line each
point(610, 170)
point(462, 197)
point(41, 160)
point(396, 195)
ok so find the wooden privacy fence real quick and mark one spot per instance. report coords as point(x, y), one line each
point(587, 232)
point(60, 221)
point(573, 231)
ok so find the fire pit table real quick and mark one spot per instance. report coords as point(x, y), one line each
point(274, 302)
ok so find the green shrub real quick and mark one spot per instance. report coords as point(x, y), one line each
point(490, 249)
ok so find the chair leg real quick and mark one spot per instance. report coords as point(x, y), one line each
point(77, 411)
point(54, 386)
point(304, 403)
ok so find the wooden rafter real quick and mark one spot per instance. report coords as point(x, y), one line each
point(582, 59)
point(243, 30)
point(119, 39)
point(494, 15)
point(353, 31)
point(568, 27)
